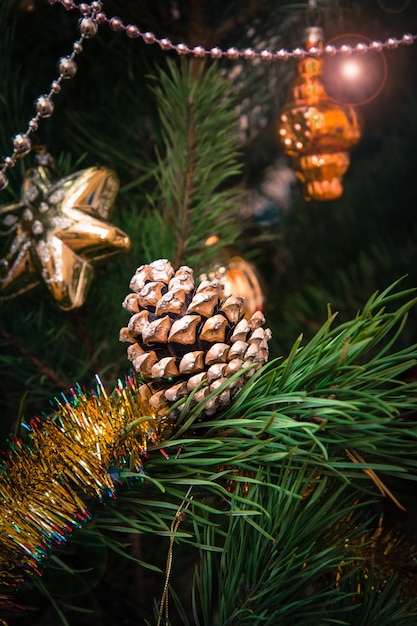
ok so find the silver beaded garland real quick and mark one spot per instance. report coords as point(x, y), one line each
point(376, 46)
point(101, 17)
point(84, 8)
point(116, 24)
point(56, 86)
point(132, 31)
point(232, 53)
point(67, 67)
point(407, 39)
point(216, 53)
point(361, 48)
point(266, 55)
point(345, 50)
point(283, 55)
point(392, 43)
point(165, 44)
point(314, 51)
point(330, 50)
point(88, 27)
point(149, 37)
point(77, 47)
point(44, 106)
point(249, 54)
point(299, 53)
point(182, 48)
point(199, 51)
point(21, 144)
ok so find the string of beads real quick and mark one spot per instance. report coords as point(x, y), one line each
point(93, 16)
point(134, 32)
point(44, 105)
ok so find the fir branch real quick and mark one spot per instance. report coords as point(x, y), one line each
point(341, 391)
point(239, 19)
point(254, 464)
point(83, 337)
point(42, 368)
point(193, 171)
point(290, 571)
point(183, 208)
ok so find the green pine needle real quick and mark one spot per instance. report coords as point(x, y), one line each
point(194, 199)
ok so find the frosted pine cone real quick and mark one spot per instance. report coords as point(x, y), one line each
point(184, 337)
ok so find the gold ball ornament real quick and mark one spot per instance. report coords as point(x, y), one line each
point(236, 275)
point(187, 339)
point(315, 132)
point(56, 231)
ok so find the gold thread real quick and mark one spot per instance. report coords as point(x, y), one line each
point(179, 517)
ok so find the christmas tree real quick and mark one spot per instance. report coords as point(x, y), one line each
point(208, 368)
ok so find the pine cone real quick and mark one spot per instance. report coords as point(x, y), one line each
point(184, 337)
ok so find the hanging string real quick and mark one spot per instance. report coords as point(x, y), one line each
point(179, 517)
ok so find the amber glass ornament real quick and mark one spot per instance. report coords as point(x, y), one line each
point(314, 131)
point(236, 275)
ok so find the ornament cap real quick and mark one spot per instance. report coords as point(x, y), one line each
point(313, 35)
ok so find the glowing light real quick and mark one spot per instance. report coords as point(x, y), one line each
point(351, 70)
point(355, 78)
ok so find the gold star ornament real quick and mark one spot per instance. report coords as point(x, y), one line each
point(56, 231)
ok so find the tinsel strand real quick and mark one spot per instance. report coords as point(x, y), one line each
point(62, 464)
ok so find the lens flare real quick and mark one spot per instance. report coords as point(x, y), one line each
point(394, 6)
point(350, 69)
point(354, 78)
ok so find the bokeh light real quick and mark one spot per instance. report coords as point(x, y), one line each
point(351, 69)
point(356, 78)
point(394, 6)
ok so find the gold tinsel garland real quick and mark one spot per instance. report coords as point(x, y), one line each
point(51, 475)
point(382, 553)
